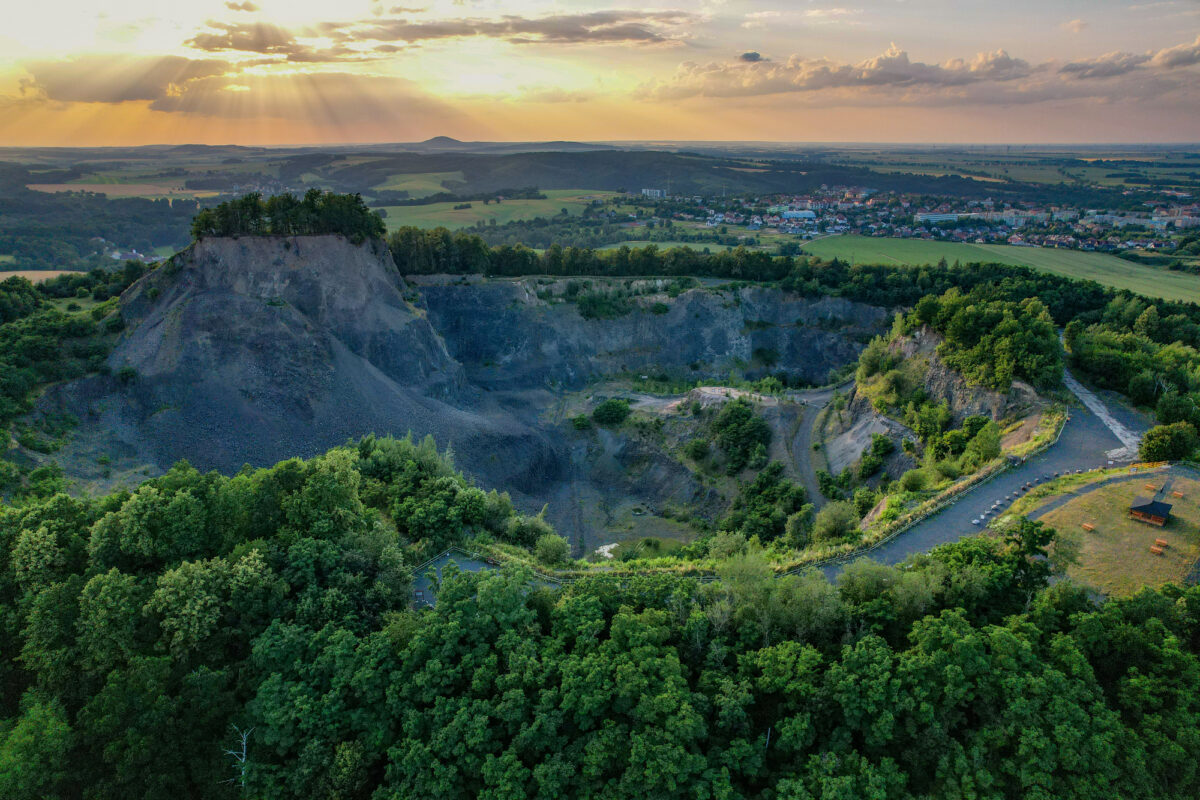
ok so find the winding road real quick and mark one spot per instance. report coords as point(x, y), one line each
point(1087, 442)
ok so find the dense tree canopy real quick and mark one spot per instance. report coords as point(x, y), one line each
point(252, 636)
point(992, 342)
point(284, 215)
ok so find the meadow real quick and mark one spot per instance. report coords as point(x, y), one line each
point(445, 215)
point(1115, 557)
point(1100, 267)
point(420, 184)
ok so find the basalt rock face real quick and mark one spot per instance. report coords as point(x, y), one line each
point(257, 349)
point(506, 337)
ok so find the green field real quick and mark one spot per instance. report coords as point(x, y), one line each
point(444, 214)
point(421, 184)
point(1100, 267)
point(7, 258)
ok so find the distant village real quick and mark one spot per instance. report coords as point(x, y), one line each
point(864, 211)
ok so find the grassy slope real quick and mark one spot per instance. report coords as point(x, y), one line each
point(435, 214)
point(1100, 267)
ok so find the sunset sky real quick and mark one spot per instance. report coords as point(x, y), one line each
point(296, 71)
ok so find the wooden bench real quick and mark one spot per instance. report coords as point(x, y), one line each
point(1087, 526)
point(1156, 550)
point(1177, 494)
point(1161, 543)
point(1150, 487)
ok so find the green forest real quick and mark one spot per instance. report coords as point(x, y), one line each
point(253, 636)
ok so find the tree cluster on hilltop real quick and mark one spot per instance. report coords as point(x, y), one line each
point(316, 213)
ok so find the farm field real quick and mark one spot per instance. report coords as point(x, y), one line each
point(1100, 267)
point(445, 215)
point(1115, 558)
point(35, 275)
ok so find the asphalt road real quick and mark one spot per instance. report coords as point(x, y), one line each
point(1082, 446)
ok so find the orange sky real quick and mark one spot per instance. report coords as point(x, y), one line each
point(276, 72)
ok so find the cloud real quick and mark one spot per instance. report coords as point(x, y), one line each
point(1110, 65)
point(1074, 26)
point(759, 19)
point(628, 27)
point(105, 79)
point(1184, 55)
point(831, 15)
point(251, 37)
point(894, 78)
point(751, 57)
point(246, 6)
point(267, 39)
point(893, 68)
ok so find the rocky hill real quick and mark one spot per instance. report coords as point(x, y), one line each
point(256, 349)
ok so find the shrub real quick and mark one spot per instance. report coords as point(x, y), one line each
point(834, 523)
point(864, 501)
point(582, 422)
point(551, 549)
point(526, 531)
point(915, 480)
point(869, 465)
point(1168, 442)
point(659, 308)
point(696, 449)
point(613, 411)
point(881, 445)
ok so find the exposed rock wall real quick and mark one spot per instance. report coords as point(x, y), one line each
point(506, 337)
point(257, 349)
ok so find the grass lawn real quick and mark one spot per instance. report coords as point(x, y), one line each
point(1115, 558)
point(7, 258)
point(1100, 267)
point(444, 214)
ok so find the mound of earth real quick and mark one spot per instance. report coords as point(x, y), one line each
point(257, 349)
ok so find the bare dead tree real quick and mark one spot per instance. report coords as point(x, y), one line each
point(238, 756)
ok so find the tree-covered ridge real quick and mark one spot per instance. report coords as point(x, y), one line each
point(993, 342)
point(316, 213)
point(253, 637)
